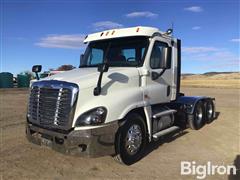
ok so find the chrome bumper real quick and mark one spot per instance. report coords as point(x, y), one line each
point(92, 142)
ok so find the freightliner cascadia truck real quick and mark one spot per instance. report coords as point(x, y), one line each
point(125, 94)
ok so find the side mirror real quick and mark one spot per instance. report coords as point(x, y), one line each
point(166, 58)
point(155, 75)
point(103, 67)
point(37, 68)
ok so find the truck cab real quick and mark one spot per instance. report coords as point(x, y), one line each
point(125, 93)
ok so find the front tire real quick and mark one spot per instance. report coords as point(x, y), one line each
point(131, 139)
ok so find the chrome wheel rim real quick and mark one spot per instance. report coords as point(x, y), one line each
point(133, 139)
point(199, 114)
point(209, 110)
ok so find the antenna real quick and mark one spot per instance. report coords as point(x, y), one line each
point(172, 28)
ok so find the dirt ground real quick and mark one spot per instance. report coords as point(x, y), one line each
point(217, 142)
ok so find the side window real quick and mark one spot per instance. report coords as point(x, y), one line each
point(159, 55)
point(142, 52)
point(96, 57)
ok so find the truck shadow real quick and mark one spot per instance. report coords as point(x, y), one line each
point(114, 77)
point(162, 140)
point(217, 115)
point(171, 137)
point(236, 163)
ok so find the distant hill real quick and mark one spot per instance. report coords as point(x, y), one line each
point(187, 74)
point(207, 73)
point(212, 79)
point(214, 73)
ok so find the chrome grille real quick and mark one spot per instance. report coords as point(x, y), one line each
point(51, 103)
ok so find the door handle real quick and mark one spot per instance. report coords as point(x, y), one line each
point(168, 90)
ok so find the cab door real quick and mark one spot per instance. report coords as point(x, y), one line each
point(159, 82)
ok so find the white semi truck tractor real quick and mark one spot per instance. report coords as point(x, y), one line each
point(125, 94)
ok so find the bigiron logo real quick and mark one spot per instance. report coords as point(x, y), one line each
point(209, 169)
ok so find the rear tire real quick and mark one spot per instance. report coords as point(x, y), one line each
point(197, 119)
point(131, 139)
point(209, 108)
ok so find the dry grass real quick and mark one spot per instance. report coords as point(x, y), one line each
point(216, 81)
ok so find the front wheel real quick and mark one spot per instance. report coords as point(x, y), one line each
point(131, 139)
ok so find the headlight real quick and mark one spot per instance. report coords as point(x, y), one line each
point(95, 116)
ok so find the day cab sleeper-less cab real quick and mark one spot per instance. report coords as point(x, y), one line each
point(125, 94)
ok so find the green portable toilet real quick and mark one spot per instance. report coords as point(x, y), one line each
point(6, 80)
point(23, 80)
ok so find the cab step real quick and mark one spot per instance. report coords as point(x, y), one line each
point(165, 131)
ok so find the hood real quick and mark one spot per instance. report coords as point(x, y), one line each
point(88, 77)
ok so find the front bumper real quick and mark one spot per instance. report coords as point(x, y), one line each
point(91, 142)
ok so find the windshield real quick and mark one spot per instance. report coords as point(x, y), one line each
point(120, 52)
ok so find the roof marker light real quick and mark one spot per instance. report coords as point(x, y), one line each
point(101, 34)
point(107, 33)
point(113, 32)
point(137, 29)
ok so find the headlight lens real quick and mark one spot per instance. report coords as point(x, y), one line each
point(95, 116)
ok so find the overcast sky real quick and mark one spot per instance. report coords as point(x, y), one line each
point(51, 32)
